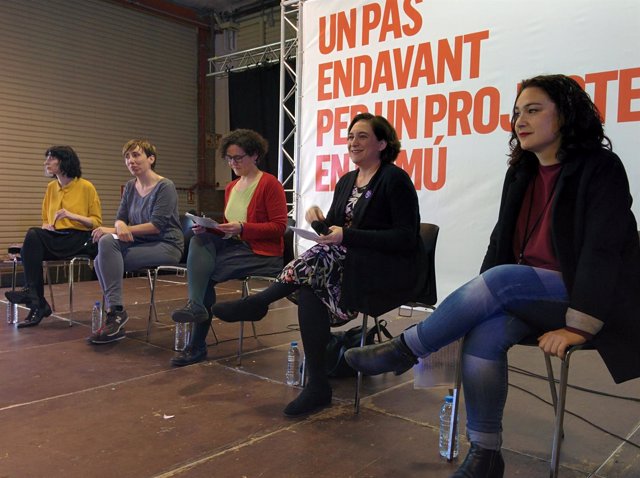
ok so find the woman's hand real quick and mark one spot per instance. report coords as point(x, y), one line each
point(123, 232)
point(556, 342)
point(198, 229)
point(314, 213)
point(334, 236)
point(48, 227)
point(230, 229)
point(62, 213)
point(98, 232)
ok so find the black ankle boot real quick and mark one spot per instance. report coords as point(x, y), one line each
point(313, 398)
point(481, 463)
point(390, 356)
point(36, 314)
point(25, 296)
point(249, 309)
point(254, 307)
point(189, 356)
point(196, 350)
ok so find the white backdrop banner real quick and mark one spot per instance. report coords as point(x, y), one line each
point(445, 74)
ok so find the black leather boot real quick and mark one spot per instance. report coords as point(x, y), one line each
point(253, 307)
point(25, 296)
point(314, 397)
point(481, 463)
point(36, 314)
point(390, 356)
point(196, 351)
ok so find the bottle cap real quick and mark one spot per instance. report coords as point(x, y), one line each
point(448, 399)
point(97, 302)
point(294, 343)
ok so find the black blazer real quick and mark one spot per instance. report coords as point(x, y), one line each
point(594, 236)
point(382, 267)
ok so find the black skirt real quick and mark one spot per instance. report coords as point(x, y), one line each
point(65, 243)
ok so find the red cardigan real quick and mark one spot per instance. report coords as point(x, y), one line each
point(266, 216)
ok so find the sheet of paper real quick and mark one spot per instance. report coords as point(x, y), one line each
point(203, 221)
point(305, 234)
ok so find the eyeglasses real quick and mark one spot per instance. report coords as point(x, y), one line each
point(235, 159)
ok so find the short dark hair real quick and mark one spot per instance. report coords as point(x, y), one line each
point(249, 140)
point(144, 144)
point(580, 121)
point(69, 161)
point(384, 132)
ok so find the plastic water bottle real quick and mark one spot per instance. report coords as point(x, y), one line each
point(445, 423)
point(182, 335)
point(96, 317)
point(293, 365)
point(12, 313)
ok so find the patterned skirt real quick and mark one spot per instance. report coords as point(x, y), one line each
point(321, 269)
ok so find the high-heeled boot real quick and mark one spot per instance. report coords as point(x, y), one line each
point(254, 307)
point(481, 463)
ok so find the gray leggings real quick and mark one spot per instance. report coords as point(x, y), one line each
point(115, 257)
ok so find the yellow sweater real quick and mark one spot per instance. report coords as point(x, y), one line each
point(78, 197)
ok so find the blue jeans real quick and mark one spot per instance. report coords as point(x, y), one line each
point(493, 312)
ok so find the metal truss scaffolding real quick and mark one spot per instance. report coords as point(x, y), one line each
point(290, 68)
point(287, 53)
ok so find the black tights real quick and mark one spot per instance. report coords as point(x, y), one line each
point(313, 317)
point(33, 253)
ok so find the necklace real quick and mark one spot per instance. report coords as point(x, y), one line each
point(528, 233)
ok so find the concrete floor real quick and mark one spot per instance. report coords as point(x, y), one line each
point(70, 409)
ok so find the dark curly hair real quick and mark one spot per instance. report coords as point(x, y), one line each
point(580, 121)
point(384, 132)
point(250, 141)
point(69, 161)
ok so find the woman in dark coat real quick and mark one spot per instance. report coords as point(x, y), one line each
point(563, 265)
point(366, 262)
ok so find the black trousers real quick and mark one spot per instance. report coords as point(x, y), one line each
point(43, 245)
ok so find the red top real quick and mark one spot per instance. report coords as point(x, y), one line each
point(266, 216)
point(533, 229)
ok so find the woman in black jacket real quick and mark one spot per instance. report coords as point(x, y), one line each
point(563, 265)
point(366, 262)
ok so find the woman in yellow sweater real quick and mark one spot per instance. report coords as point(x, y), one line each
point(70, 211)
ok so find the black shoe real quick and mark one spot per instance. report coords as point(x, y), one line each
point(390, 356)
point(311, 399)
point(247, 309)
point(481, 463)
point(189, 356)
point(36, 314)
point(25, 296)
point(192, 312)
point(113, 328)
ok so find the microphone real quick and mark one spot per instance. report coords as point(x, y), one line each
point(320, 227)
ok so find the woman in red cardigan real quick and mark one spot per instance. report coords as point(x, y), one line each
point(248, 242)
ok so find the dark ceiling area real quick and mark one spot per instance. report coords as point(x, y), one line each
point(233, 7)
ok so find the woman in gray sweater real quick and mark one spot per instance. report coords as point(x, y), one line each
point(146, 233)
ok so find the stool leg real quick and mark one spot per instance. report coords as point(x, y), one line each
point(356, 404)
point(152, 278)
point(70, 282)
point(558, 431)
point(455, 405)
point(48, 274)
point(245, 293)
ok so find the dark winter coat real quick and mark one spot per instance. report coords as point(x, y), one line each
point(594, 236)
point(384, 265)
